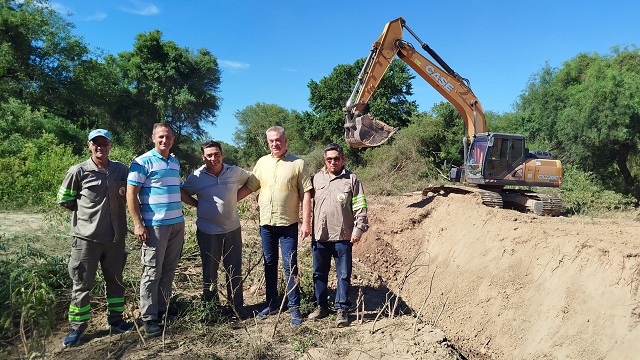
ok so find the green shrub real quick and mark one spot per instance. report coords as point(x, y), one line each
point(398, 167)
point(32, 176)
point(582, 194)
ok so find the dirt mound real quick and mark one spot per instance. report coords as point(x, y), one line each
point(503, 284)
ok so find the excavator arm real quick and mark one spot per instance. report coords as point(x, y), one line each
point(363, 130)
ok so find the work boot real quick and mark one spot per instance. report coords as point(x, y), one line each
point(342, 318)
point(266, 312)
point(319, 313)
point(152, 329)
point(120, 327)
point(73, 339)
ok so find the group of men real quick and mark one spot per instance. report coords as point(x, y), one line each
point(99, 190)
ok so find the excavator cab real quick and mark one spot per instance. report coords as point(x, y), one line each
point(491, 157)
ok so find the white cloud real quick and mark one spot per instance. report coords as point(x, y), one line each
point(98, 16)
point(67, 11)
point(233, 64)
point(289, 70)
point(61, 9)
point(141, 8)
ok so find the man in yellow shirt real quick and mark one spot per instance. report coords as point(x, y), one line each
point(284, 183)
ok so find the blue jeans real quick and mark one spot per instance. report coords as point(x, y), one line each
point(287, 237)
point(341, 252)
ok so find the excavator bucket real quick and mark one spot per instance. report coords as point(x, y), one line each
point(365, 130)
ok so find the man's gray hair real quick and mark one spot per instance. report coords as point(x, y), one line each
point(278, 129)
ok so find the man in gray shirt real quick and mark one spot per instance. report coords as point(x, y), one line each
point(215, 186)
point(94, 191)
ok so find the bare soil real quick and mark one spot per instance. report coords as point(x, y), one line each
point(507, 285)
point(442, 278)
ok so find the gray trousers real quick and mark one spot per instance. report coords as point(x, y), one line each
point(225, 249)
point(83, 266)
point(160, 256)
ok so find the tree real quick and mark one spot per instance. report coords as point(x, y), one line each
point(589, 111)
point(38, 54)
point(171, 84)
point(253, 122)
point(389, 103)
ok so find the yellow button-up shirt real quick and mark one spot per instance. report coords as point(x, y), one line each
point(283, 181)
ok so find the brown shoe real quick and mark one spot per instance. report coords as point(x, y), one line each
point(319, 313)
point(342, 318)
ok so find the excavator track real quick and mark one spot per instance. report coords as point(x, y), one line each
point(491, 198)
point(539, 204)
point(525, 201)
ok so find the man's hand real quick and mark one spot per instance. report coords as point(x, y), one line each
point(141, 233)
point(355, 239)
point(305, 230)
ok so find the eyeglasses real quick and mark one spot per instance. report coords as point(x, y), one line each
point(336, 158)
point(101, 144)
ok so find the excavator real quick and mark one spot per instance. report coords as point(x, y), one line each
point(491, 160)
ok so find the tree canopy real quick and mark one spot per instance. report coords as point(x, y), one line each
point(171, 84)
point(390, 102)
point(588, 112)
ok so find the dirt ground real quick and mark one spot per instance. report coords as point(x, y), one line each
point(469, 282)
point(507, 285)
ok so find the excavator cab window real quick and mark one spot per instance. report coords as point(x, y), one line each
point(504, 154)
point(476, 157)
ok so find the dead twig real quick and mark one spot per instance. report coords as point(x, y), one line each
point(424, 302)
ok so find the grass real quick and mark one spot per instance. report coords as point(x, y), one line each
point(40, 258)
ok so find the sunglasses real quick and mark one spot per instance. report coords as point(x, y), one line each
point(336, 158)
point(100, 143)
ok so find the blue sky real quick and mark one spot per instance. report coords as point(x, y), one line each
point(269, 50)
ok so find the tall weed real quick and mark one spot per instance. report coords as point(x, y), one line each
point(31, 285)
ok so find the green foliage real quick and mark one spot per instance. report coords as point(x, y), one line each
point(31, 285)
point(253, 122)
point(231, 153)
point(440, 135)
point(39, 53)
point(32, 174)
point(389, 103)
point(588, 112)
point(398, 167)
point(170, 84)
point(20, 122)
point(581, 194)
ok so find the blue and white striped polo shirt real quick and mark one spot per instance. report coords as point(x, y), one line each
point(159, 195)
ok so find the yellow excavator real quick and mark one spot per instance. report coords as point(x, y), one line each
point(491, 160)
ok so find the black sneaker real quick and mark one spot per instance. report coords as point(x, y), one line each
point(120, 327)
point(242, 312)
point(152, 329)
point(73, 339)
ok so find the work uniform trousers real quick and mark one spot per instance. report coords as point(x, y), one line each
point(83, 265)
point(160, 256)
point(226, 249)
point(341, 252)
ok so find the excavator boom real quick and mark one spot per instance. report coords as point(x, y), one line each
point(363, 130)
point(491, 160)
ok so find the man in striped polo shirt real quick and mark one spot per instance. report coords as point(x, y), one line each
point(153, 199)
